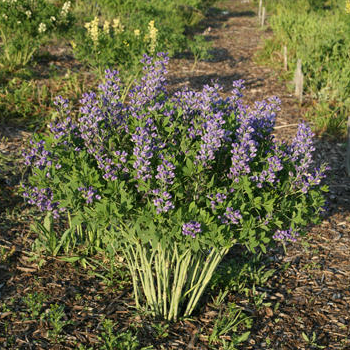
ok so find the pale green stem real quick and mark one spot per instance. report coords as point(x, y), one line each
point(181, 281)
point(158, 268)
point(130, 261)
point(211, 263)
point(166, 265)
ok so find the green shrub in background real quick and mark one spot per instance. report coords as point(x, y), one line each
point(120, 32)
point(318, 33)
point(102, 33)
point(24, 26)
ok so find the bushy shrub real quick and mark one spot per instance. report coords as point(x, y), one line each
point(172, 181)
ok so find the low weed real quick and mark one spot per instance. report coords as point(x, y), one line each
point(241, 276)
point(111, 340)
point(226, 327)
point(57, 320)
point(34, 303)
point(311, 341)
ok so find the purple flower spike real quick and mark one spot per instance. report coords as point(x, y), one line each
point(89, 194)
point(162, 201)
point(191, 228)
point(286, 235)
point(231, 216)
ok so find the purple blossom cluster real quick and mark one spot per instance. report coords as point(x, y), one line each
point(236, 92)
point(254, 127)
point(219, 198)
point(300, 153)
point(242, 154)
point(191, 228)
point(204, 113)
point(62, 105)
point(286, 235)
point(37, 156)
point(62, 129)
point(151, 86)
point(90, 128)
point(89, 194)
point(231, 216)
point(42, 198)
point(162, 201)
point(114, 112)
point(270, 175)
point(262, 119)
point(165, 173)
point(143, 141)
point(143, 152)
point(112, 167)
point(213, 138)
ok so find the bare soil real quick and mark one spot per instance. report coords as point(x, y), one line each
point(310, 291)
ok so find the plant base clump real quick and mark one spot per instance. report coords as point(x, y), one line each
point(172, 182)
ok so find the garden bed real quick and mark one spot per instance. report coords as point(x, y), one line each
point(304, 305)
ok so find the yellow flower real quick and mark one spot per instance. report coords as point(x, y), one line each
point(125, 43)
point(137, 32)
point(92, 28)
point(117, 26)
point(65, 8)
point(106, 27)
point(152, 36)
point(347, 6)
point(42, 28)
point(74, 45)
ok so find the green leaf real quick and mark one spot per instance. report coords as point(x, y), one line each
point(305, 337)
point(242, 338)
point(48, 221)
point(193, 207)
point(257, 202)
point(71, 259)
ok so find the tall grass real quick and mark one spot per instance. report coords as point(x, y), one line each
point(320, 37)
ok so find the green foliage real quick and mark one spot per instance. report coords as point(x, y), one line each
point(138, 178)
point(312, 340)
point(240, 276)
point(122, 31)
point(321, 39)
point(227, 324)
point(113, 341)
point(57, 320)
point(25, 25)
point(34, 303)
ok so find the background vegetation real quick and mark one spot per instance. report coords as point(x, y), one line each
point(318, 33)
point(45, 43)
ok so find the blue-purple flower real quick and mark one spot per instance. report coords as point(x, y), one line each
point(42, 198)
point(89, 194)
point(162, 201)
point(286, 235)
point(231, 216)
point(191, 228)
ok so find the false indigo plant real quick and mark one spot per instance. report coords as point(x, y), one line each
point(174, 181)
